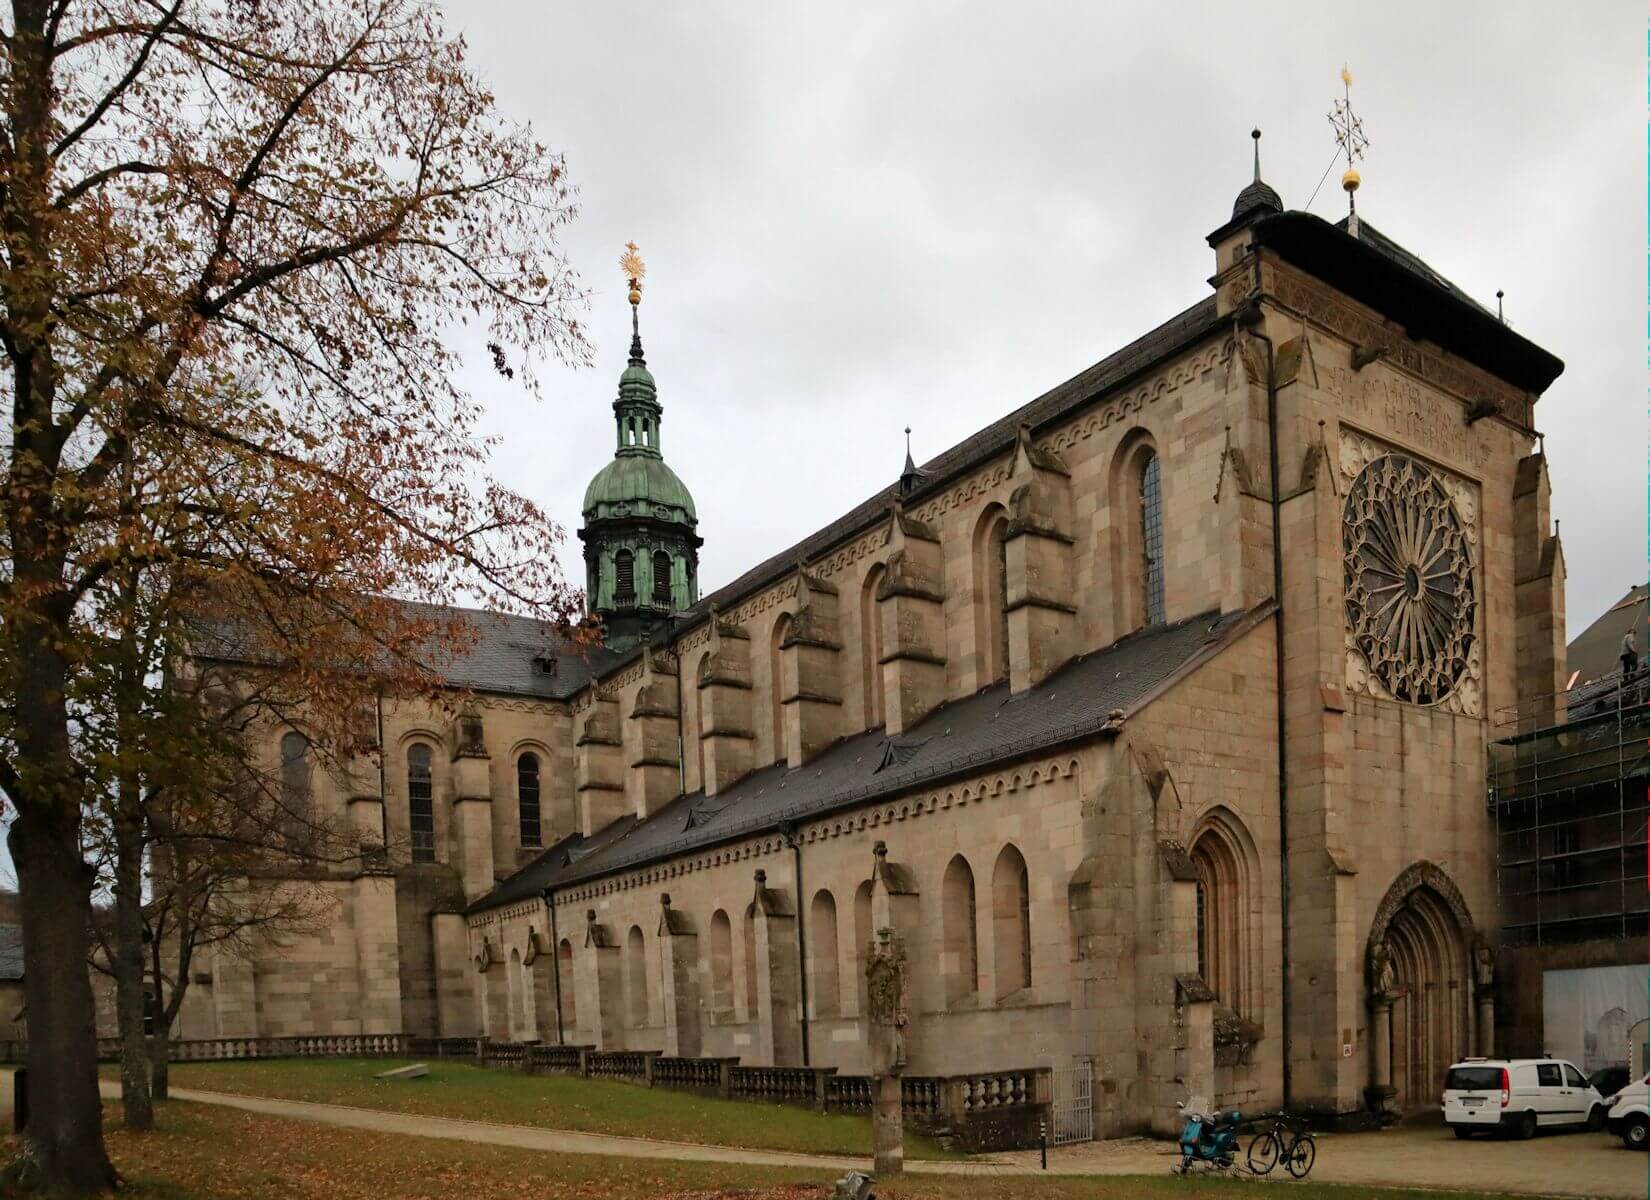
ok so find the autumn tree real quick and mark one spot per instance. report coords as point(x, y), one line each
point(201, 839)
point(238, 242)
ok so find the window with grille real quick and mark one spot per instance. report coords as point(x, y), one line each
point(527, 797)
point(661, 578)
point(624, 578)
point(1151, 536)
point(295, 798)
point(420, 804)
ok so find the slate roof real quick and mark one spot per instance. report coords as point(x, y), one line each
point(1408, 260)
point(1259, 195)
point(962, 737)
point(11, 953)
point(1596, 650)
point(499, 658)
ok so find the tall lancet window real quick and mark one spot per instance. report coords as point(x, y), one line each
point(624, 577)
point(527, 797)
point(295, 790)
point(1151, 536)
point(420, 803)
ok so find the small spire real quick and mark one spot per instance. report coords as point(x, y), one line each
point(910, 476)
point(1500, 313)
point(1255, 133)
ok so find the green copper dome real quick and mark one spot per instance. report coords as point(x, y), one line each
point(640, 484)
point(637, 376)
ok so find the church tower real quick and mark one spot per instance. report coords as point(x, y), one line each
point(641, 548)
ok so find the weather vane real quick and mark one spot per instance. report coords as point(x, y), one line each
point(635, 270)
point(1349, 136)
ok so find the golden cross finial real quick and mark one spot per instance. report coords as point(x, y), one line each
point(1349, 129)
point(1349, 136)
point(635, 270)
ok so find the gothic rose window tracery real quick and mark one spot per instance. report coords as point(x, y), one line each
point(1410, 604)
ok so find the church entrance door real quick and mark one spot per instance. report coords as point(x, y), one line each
point(1431, 1016)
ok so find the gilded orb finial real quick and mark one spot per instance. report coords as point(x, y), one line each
point(635, 270)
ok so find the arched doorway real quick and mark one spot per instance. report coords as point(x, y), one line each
point(1431, 1013)
point(1420, 956)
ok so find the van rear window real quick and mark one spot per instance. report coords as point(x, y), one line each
point(1473, 1079)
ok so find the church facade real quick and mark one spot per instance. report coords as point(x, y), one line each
point(1152, 718)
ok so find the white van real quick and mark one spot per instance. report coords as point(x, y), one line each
point(1629, 1119)
point(1519, 1095)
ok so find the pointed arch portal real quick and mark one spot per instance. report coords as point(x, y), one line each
point(1424, 928)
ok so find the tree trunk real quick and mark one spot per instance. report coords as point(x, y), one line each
point(139, 1112)
point(64, 1138)
point(63, 1144)
point(160, 1057)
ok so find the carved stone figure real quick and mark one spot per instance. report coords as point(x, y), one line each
point(887, 986)
point(471, 741)
point(1383, 976)
point(1483, 965)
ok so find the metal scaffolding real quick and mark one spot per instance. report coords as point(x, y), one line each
point(1568, 798)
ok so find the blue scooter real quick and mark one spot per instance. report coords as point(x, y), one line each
point(1207, 1138)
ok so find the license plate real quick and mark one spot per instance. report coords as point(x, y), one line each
point(1472, 1101)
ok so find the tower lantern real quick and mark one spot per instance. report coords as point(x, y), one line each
point(641, 545)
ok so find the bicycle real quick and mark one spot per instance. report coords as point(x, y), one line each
point(1284, 1143)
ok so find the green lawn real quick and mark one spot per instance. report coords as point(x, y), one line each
point(474, 1093)
point(202, 1152)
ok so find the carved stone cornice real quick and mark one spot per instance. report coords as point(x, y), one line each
point(1373, 336)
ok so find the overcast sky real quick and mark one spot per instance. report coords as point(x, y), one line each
point(862, 216)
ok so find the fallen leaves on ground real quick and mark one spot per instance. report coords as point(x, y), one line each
point(202, 1152)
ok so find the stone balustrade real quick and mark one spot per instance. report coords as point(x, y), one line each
point(994, 1110)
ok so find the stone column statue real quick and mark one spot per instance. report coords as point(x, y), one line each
point(887, 986)
point(1483, 972)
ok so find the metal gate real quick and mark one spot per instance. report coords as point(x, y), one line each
point(1074, 1102)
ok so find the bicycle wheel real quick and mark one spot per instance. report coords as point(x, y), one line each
point(1263, 1152)
point(1301, 1156)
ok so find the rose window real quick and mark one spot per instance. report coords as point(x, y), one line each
point(1409, 588)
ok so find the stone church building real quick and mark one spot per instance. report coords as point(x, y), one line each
point(1152, 717)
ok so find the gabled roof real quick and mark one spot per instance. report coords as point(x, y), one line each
point(963, 737)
